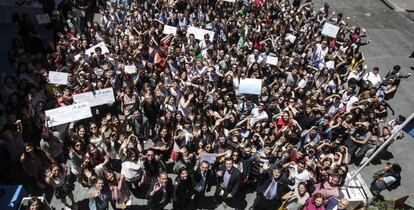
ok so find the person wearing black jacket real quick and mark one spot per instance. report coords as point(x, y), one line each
point(160, 192)
point(271, 190)
point(183, 190)
point(202, 181)
point(228, 180)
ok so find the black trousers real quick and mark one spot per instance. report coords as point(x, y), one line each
point(261, 203)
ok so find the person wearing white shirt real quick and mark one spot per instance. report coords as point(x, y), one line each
point(255, 57)
point(374, 77)
point(258, 115)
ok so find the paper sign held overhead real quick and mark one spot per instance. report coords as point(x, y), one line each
point(169, 30)
point(272, 60)
point(330, 30)
point(95, 98)
point(199, 33)
point(291, 38)
point(250, 86)
point(43, 18)
point(58, 78)
point(91, 50)
point(209, 157)
point(130, 69)
point(66, 114)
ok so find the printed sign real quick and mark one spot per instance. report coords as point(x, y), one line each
point(169, 30)
point(95, 98)
point(59, 78)
point(209, 157)
point(91, 50)
point(66, 114)
point(199, 33)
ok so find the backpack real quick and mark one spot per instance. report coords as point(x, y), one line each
point(395, 184)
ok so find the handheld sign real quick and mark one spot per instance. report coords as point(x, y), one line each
point(95, 98)
point(210, 158)
point(130, 69)
point(66, 114)
point(250, 86)
point(272, 60)
point(330, 30)
point(91, 50)
point(169, 30)
point(59, 78)
point(43, 18)
point(199, 33)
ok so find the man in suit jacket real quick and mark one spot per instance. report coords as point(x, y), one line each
point(228, 180)
point(271, 190)
point(160, 192)
point(201, 181)
point(337, 204)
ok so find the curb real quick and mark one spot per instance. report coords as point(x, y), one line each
point(393, 6)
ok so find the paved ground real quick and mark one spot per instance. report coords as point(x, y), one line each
point(392, 40)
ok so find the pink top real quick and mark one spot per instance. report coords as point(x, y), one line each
point(311, 206)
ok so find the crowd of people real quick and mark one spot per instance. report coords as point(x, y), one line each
point(320, 107)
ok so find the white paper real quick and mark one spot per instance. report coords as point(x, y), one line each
point(330, 30)
point(209, 157)
point(291, 38)
point(330, 64)
point(43, 18)
point(199, 33)
point(130, 69)
point(250, 86)
point(59, 78)
point(169, 30)
point(91, 50)
point(272, 60)
point(95, 98)
point(66, 114)
point(230, 1)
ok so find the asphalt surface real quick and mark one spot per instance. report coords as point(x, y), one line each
point(392, 41)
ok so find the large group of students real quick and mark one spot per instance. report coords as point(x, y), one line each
point(320, 107)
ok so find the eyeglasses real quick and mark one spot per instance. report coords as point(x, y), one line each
point(93, 127)
point(150, 155)
point(235, 155)
point(77, 145)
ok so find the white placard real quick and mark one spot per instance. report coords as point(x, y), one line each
point(130, 69)
point(330, 30)
point(92, 50)
point(291, 38)
point(250, 86)
point(95, 98)
point(272, 60)
point(59, 78)
point(43, 18)
point(209, 157)
point(66, 114)
point(330, 65)
point(169, 30)
point(199, 33)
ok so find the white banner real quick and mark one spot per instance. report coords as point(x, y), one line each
point(66, 114)
point(169, 30)
point(91, 50)
point(209, 157)
point(199, 33)
point(330, 30)
point(130, 69)
point(59, 78)
point(272, 60)
point(95, 98)
point(43, 18)
point(250, 86)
